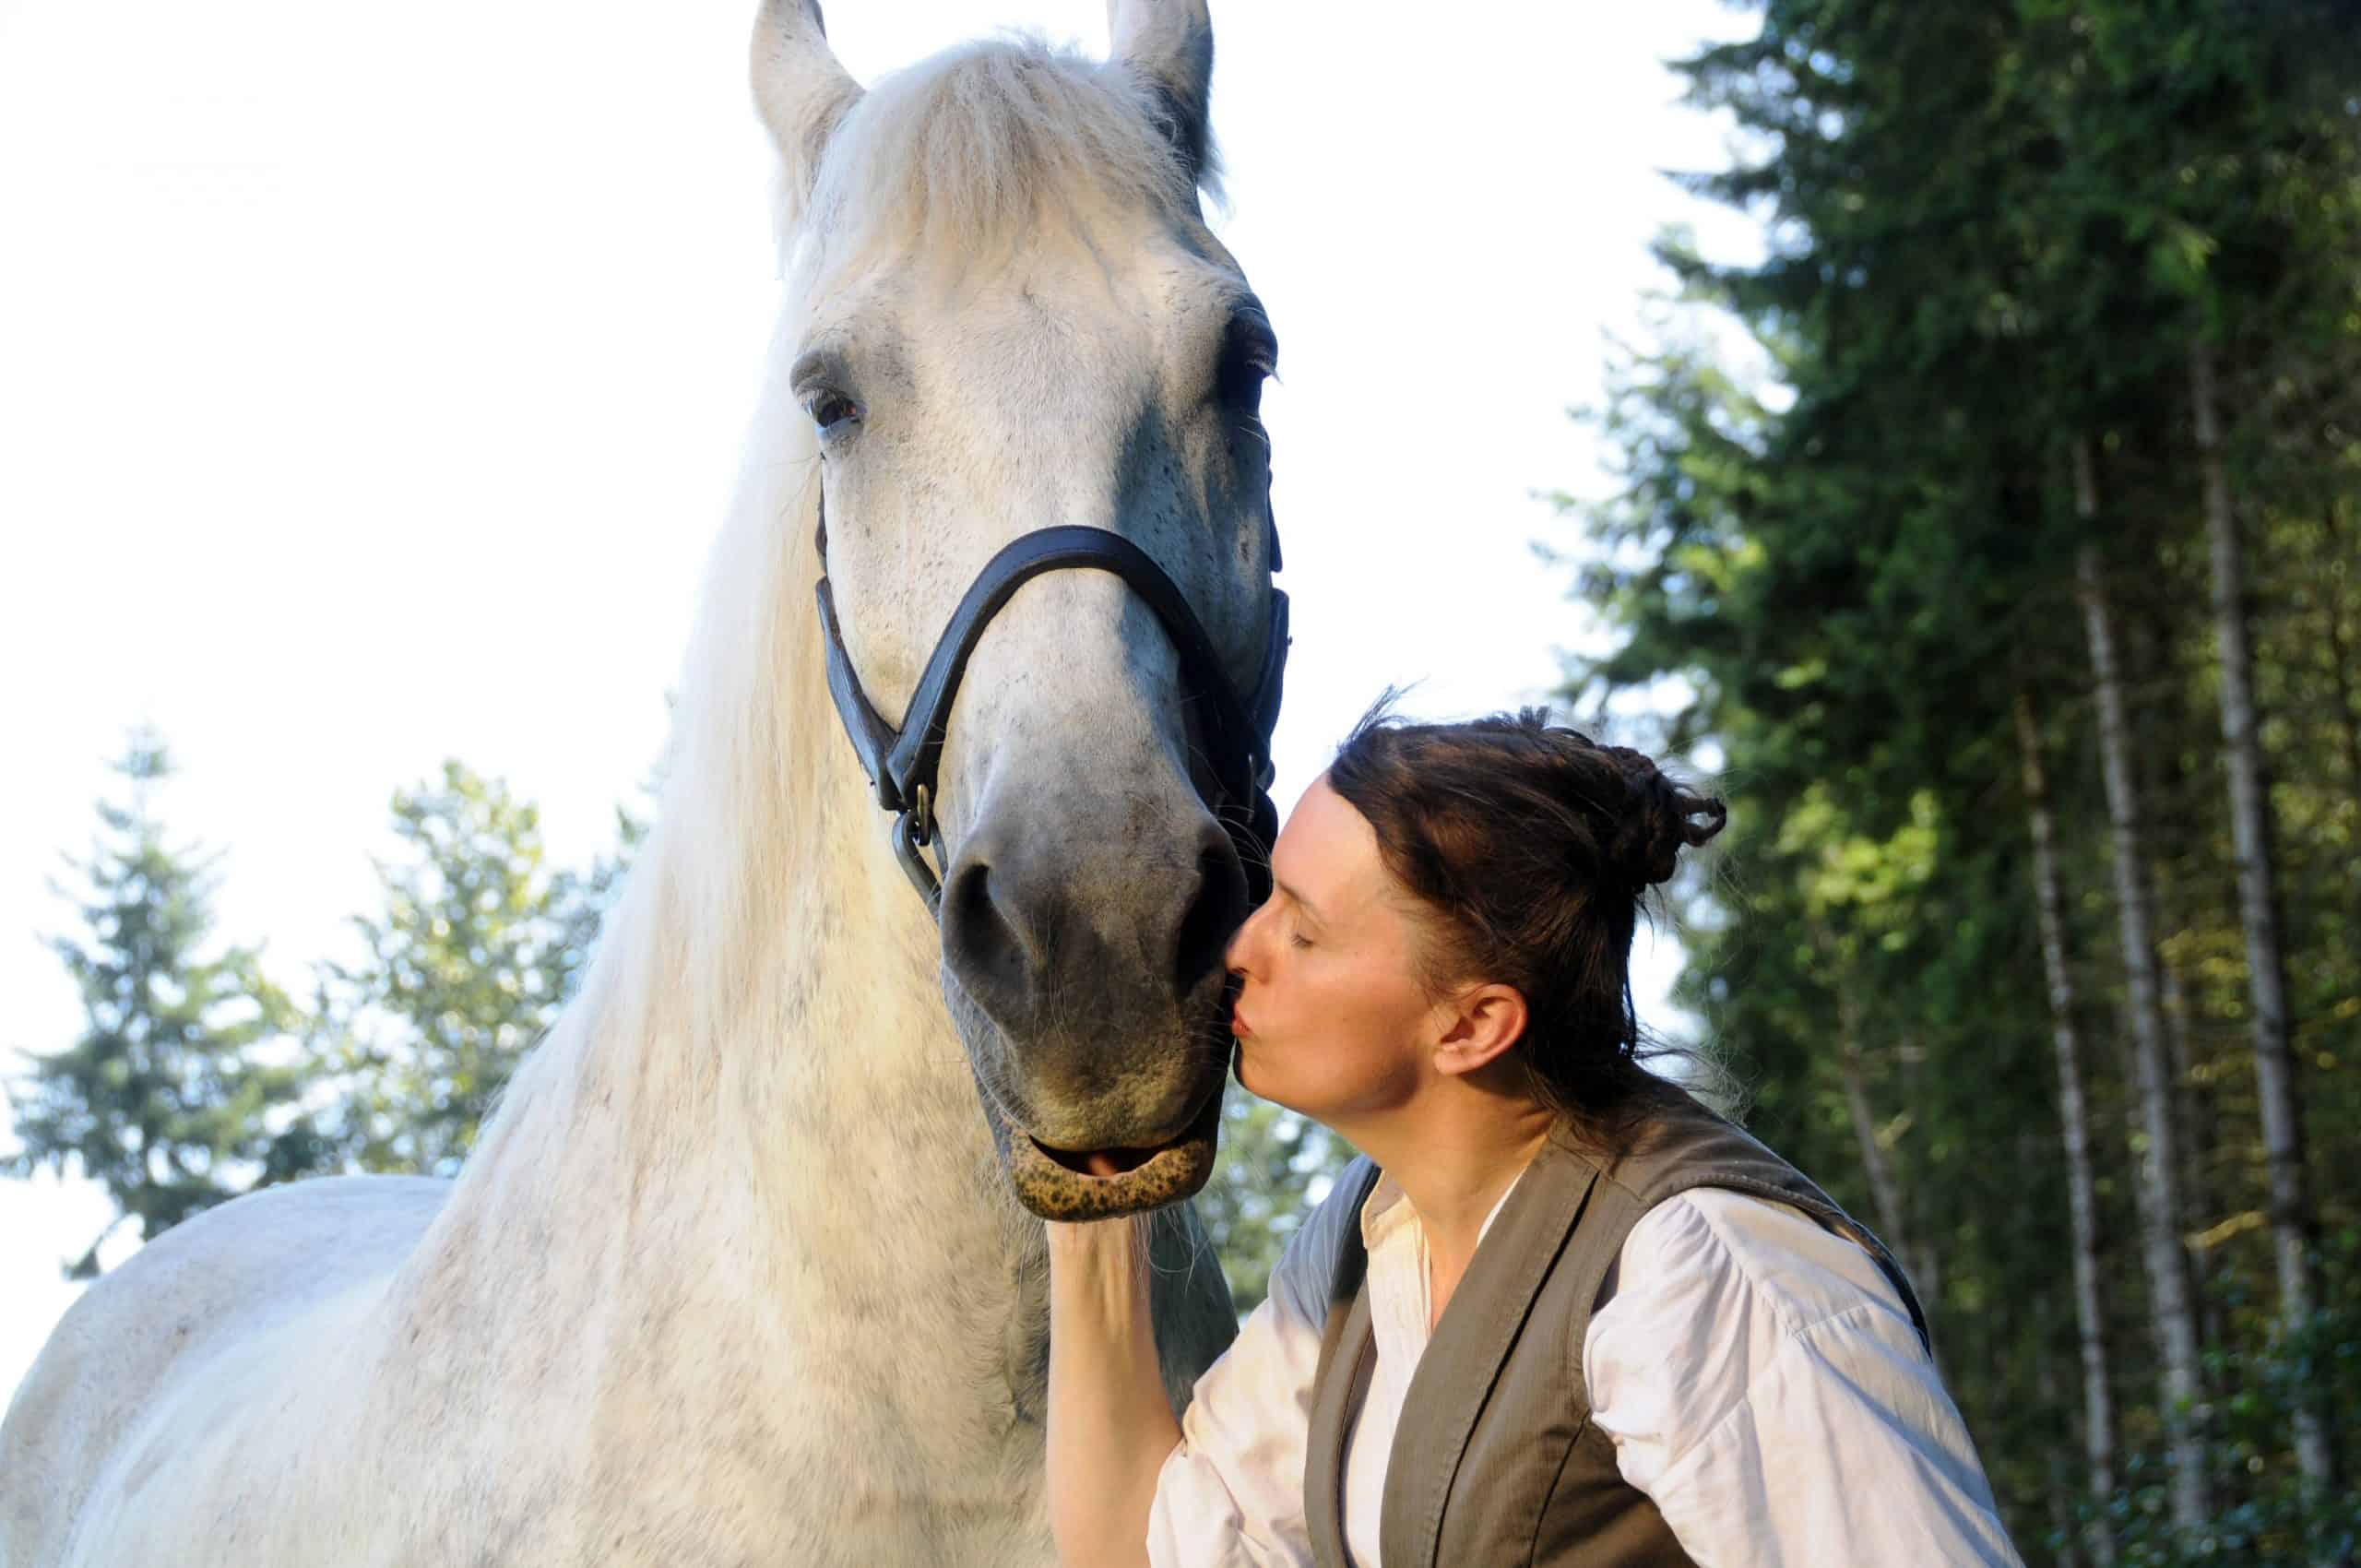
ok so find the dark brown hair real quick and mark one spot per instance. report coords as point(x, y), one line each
point(1531, 847)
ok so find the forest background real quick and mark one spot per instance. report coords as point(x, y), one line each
point(1994, 535)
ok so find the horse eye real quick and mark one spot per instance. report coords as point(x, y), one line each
point(1250, 357)
point(831, 411)
point(1243, 371)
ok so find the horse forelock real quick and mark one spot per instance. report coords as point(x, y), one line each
point(955, 155)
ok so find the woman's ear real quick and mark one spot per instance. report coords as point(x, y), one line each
point(1478, 1025)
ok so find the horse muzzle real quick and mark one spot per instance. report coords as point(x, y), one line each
point(1091, 1002)
point(1073, 1185)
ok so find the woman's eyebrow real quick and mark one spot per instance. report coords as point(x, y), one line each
point(1300, 901)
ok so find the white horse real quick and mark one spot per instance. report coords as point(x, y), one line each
point(739, 1274)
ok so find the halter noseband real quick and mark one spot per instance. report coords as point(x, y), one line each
point(902, 763)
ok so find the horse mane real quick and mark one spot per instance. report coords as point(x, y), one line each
point(719, 889)
point(953, 156)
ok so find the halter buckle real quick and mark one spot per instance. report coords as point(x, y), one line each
point(909, 848)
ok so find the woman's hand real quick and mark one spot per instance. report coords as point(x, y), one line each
point(1111, 1425)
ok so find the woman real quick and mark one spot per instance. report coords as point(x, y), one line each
point(1557, 1314)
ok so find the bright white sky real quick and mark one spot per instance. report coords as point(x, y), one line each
point(371, 383)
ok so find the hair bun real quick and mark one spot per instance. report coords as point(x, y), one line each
point(1664, 818)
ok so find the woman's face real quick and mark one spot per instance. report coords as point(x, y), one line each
point(1330, 1020)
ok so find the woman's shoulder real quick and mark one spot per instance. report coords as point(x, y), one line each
point(1714, 1251)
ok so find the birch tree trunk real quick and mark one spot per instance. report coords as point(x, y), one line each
point(2082, 1184)
point(2251, 836)
point(2159, 1187)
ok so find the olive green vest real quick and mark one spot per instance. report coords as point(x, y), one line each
point(1496, 1463)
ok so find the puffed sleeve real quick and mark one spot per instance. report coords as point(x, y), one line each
point(1762, 1383)
point(1231, 1493)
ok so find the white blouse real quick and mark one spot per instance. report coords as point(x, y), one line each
point(1758, 1377)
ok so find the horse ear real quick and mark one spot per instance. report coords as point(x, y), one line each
point(802, 92)
point(1168, 46)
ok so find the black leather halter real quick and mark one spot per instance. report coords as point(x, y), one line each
point(1237, 734)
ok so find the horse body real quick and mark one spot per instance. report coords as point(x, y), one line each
point(737, 1273)
point(737, 1299)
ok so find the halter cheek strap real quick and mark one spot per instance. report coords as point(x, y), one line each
point(902, 764)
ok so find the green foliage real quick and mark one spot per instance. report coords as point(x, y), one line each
point(1274, 1166)
point(1998, 230)
point(199, 1079)
point(182, 1091)
point(477, 948)
point(2277, 1522)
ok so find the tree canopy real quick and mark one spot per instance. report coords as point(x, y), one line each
point(2007, 577)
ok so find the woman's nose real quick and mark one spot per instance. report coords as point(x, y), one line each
point(1238, 955)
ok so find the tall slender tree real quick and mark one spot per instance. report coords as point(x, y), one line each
point(2172, 1305)
point(2081, 1182)
point(180, 1092)
point(2254, 834)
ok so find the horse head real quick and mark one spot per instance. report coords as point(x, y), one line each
point(1013, 319)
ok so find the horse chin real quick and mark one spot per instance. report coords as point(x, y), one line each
point(1062, 1183)
point(1057, 1186)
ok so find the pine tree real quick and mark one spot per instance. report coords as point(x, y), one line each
point(1997, 232)
point(478, 944)
point(182, 1091)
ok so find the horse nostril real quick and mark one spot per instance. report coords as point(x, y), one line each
point(1206, 927)
point(986, 949)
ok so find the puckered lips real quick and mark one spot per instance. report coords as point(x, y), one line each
point(1077, 1184)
